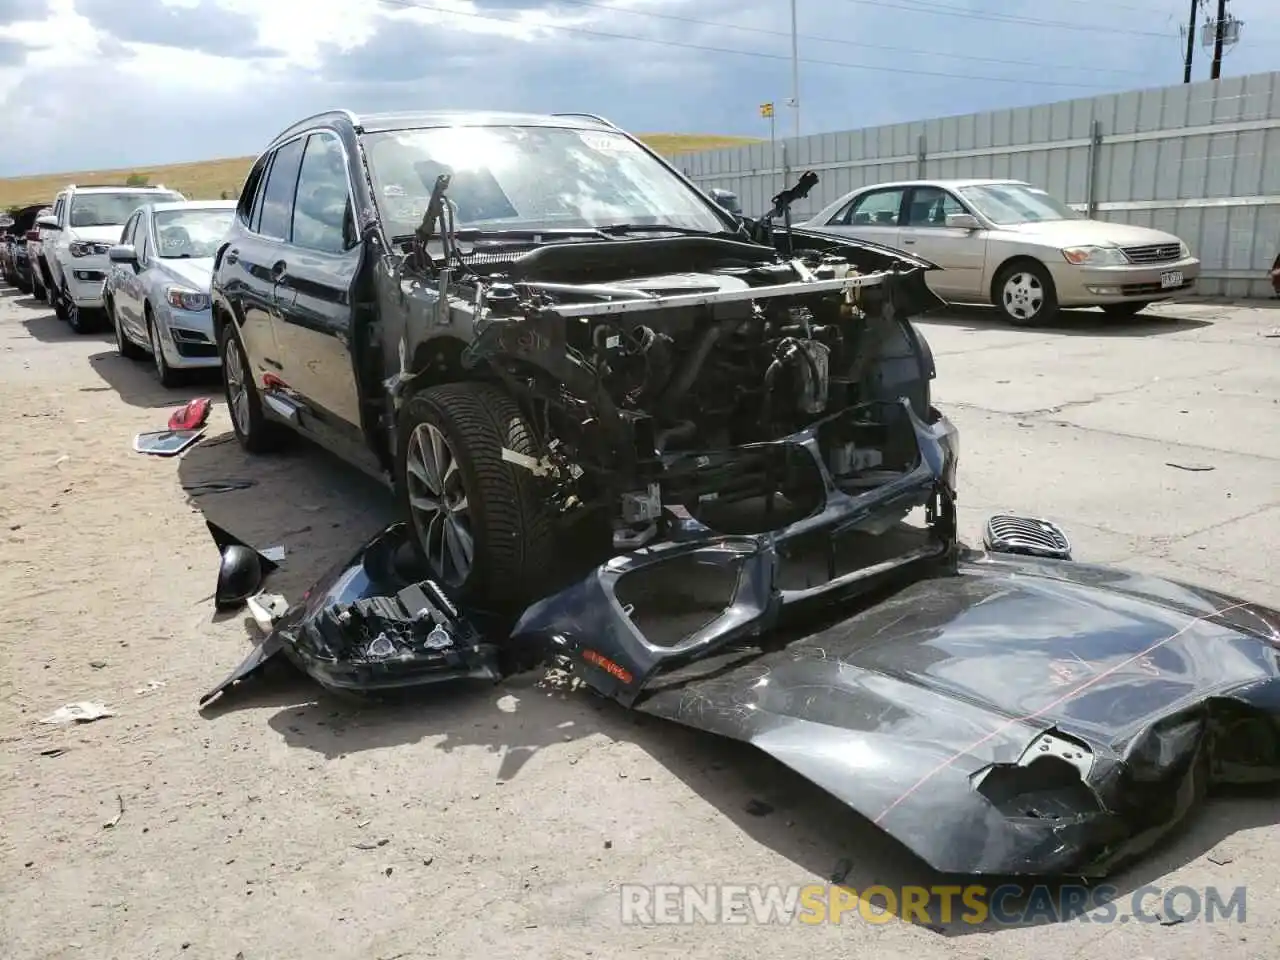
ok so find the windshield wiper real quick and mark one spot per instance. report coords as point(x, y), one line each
point(531, 235)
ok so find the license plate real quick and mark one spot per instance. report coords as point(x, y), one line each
point(1171, 278)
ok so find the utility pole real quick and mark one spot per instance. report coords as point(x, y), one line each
point(1191, 42)
point(1219, 27)
point(795, 69)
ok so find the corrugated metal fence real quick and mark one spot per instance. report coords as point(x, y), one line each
point(1191, 159)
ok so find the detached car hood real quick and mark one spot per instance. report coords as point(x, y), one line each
point(1020, 717)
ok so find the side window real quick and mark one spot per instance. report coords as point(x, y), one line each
point(877, 209)
point(277, 197)
point(144, 255)
point(58, 206)
point(322, 211)
point(249, 190)
point(929, 207)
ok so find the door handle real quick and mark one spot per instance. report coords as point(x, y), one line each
point(277, 269)
point(233, 256)
point(908, 240)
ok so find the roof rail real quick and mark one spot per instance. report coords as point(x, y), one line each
point(589, 116)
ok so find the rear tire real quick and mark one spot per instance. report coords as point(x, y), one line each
point(255, 432)
point(1025, 294)
point(511, 530)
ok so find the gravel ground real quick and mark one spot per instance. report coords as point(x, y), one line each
point(502, 821)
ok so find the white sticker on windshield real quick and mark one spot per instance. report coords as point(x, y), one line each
point(606, 142)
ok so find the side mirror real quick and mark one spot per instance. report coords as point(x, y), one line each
point(48, 223)
point(123, 253)
point(963, 221)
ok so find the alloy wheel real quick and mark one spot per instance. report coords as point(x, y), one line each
point(237, 387)
point(1023, 295)
point(438, 504)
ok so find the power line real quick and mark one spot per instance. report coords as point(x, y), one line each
point(947, 11)
point(848, 43)
point(428, 8)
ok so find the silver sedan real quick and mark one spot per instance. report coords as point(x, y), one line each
point(157, 289)
point(1008, 243)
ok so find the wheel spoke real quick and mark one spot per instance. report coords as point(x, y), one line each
point(438, 504)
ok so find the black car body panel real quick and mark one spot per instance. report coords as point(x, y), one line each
point(1012, 716)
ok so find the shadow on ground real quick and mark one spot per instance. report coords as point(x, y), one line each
point(1079, 323)
point(47, 328)
point(135, 380)
point(302, 498)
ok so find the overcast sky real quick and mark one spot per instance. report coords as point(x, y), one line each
point(96, 84)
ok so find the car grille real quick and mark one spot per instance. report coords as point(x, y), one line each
point(1029, 536)
point(1156, 253)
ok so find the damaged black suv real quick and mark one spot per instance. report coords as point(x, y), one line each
point(555, 345)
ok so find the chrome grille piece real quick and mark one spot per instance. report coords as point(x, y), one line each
point(1029, 536)
point(1157, 253)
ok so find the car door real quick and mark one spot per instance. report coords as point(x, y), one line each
point(49, 240)
point(872, 215)
point(315, 286)
point(255, 256)
point(960, 252)
point(125, 280)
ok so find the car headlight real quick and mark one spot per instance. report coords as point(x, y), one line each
point(1183, 250)
point(1095, 256)
point(88, 248)
point(184, 299)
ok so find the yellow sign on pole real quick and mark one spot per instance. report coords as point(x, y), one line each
point(766, 110)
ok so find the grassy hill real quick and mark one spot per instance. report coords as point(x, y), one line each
point(208, 179)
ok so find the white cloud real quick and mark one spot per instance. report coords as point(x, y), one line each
point(108, 83)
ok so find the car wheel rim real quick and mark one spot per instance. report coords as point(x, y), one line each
point(438, 504)
point(237, 389)
point(1023, 295)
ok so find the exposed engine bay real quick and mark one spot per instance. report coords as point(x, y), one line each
point(664, 368)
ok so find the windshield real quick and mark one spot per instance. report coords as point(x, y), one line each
point(112, 209)
point(196, 232)
point(1008, 203)
point(521, 178)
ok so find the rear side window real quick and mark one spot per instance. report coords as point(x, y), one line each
point(277, 198)
point(877, 209)
point(249, 191)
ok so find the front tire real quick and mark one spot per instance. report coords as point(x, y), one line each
point(255, 432)
point(1025, 294)
point(480, 524)
point(167, 376)
point(60, 301)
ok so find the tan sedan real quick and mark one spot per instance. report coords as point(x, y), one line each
point(1007, 243)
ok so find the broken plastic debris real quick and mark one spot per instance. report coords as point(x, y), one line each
point(151, 685)
point(274, 554)
point(266, 609)
point(166, 443)
point(192, 415)
point(62, 459)
point(83, 712)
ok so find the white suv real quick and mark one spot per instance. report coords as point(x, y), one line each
point(74, 239)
